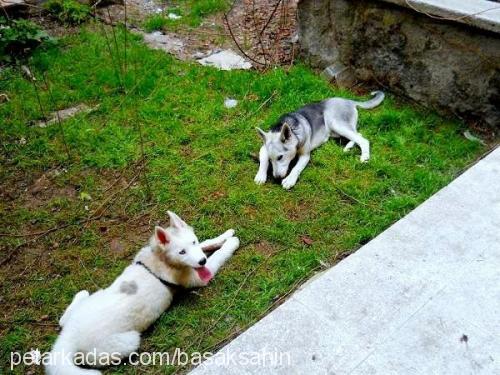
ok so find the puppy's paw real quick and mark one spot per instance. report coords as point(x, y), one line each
point(364, 158)
point(232, 244)
point(289, 182)
point(260, 178)
point(228, 234)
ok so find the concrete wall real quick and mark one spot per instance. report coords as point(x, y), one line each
point(446, 65)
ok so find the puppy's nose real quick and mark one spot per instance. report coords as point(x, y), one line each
point(202, 262)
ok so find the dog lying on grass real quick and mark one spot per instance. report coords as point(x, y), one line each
point(299, 133)
point(108, 323)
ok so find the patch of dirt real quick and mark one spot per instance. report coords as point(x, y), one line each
point(265, 248)
point(265, 30)
point(19, 191)
point(44, 189)
point(299, 211)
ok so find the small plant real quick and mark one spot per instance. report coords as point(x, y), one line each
point(68, 11)
point(155, 23)
point(18, 38)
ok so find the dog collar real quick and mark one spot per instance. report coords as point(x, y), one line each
point(166, 283)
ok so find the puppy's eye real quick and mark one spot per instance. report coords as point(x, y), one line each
point(280, 157)
point(182, 252)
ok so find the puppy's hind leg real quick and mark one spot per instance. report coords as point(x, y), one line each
point(349, 145)
point(357, 138)
point(120, 344)
point(77, 299)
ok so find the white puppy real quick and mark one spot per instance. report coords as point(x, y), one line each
point(108, 323)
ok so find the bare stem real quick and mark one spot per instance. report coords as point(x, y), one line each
point(126, 32)
point(108, 44)
point(59, 122)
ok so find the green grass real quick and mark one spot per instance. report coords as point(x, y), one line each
point(192, 12)
point(198, 165)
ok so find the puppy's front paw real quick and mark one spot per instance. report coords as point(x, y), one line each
point(289, 182)
point(364, 158)
point(260, 178)
point(228, 234)
point(232, 243)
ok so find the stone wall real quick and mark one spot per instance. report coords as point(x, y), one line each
point(452, 67)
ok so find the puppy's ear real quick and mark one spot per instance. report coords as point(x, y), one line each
point(161, 236)
point(176, 221)
point(286, 133)
point(262, 133)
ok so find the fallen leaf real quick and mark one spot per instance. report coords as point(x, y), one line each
point(116, 246)
point(307, 240)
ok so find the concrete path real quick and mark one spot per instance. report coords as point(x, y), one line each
point(421, 298)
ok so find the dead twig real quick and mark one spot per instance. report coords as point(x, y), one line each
point(48, 231)
point(110, 51)
point(97, 212)
point(270, 18)
point(261, 106)
point(238, 45)
point(259, 36)
point(59, 122)
point(350, 197)
point(38, 236)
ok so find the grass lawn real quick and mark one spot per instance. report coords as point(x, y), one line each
point(198, 164)
point(192, 13)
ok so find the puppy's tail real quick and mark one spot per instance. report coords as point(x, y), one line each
point(378, 96)
point(61, 360)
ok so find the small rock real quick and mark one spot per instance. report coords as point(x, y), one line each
point(85, 196)
point(22, 141)
point(64, 114)
point(173, 16)
point(198, 55)
point(167, 43)
point(230, 103)
point(27, 72)
point(41, 184)
point(225, 60)
point(4, 98)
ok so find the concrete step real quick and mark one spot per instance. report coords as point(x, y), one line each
point(421, 298)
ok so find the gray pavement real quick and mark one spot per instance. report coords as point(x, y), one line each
point(421, 298)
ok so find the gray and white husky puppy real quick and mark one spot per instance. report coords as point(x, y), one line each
point(298, 133)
